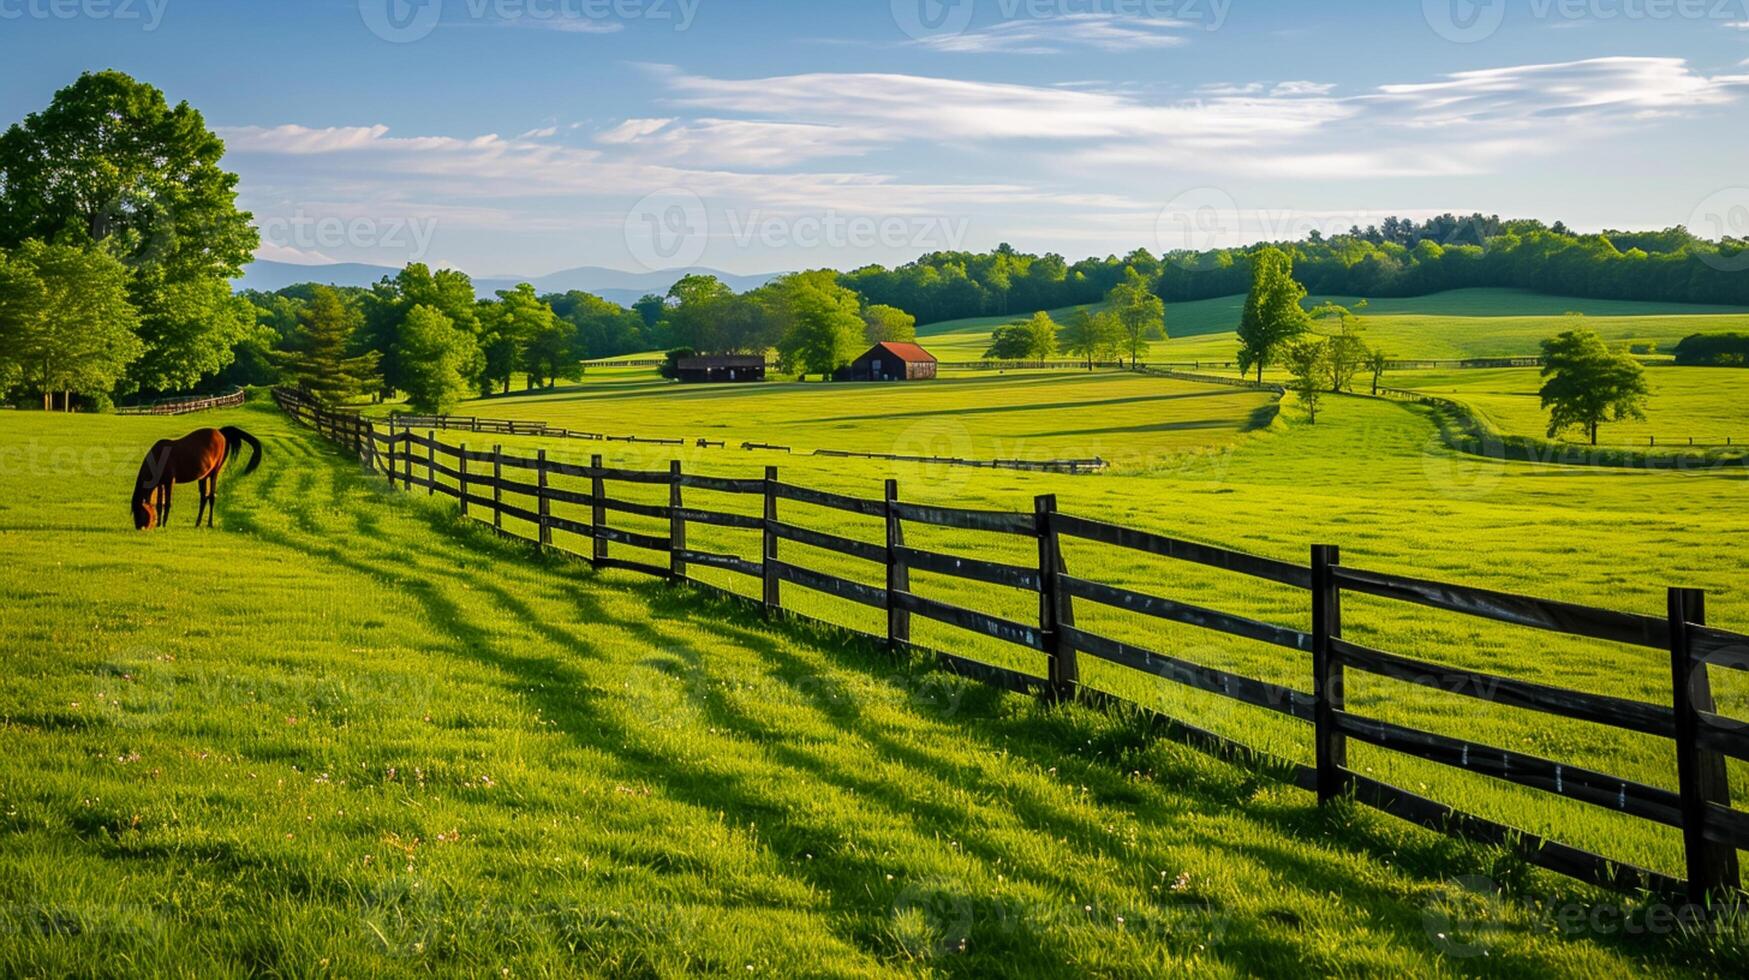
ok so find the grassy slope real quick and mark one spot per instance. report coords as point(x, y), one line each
point(1020, 415)
point(1372, 477)
point(341, 734)
point(1705, 403)
point(1455, 324)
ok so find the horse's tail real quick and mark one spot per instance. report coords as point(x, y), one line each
point(235, 437)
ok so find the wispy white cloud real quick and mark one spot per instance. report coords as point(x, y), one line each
point(760, 145)
point(1291, 89)
point(1054, 35)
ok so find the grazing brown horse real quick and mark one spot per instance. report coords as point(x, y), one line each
point(195, 458)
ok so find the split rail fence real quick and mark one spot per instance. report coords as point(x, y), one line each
point(184, 406)
point(1712, 830)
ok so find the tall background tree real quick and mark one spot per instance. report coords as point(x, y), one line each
point(821, 321)
point(1091, 336)
point(439, 359)
point(506, 328)
point(68, 325)
point(111, 163)
point(1273, 317)
point(888, 323)
point(1586, 384)
point(1140, 315)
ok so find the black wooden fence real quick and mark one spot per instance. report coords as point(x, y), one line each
point(1712, 829)
point(186, 404)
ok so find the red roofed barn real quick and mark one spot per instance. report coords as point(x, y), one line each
point(891, 361)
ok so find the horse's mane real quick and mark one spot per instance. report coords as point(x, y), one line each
point(152, 468)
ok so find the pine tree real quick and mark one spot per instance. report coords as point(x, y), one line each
point(324, 362)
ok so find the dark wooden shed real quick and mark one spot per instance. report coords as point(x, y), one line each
point(721, 368)
point(891, 361)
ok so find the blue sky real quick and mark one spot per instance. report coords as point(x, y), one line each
point(526, 136)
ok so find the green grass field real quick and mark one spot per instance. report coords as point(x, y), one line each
point(345, 734)
point(1456, 324)
point(1705, 404)
point(1373, 477)
point(1130, 420)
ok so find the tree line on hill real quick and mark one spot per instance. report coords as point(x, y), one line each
point(1397, 258)
point(1585, 381)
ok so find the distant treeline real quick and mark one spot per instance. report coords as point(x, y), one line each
point(1397, 257)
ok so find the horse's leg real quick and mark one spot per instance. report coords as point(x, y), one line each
point(164, 504)
point(200, 487)
point(212, 497)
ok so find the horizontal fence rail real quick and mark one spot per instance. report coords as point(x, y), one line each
point(185, 406)
point(1712, 830)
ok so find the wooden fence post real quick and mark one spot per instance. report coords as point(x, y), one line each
point(430, 462)
point(462, 481)
point(1065, 671)
point(597, 511)
point(898, 574)
point(1712, 867)
point(773, 597)
point(1331, 744)
point(676, 524)
point(370, 442)
point(498, 489)
point(543, 506)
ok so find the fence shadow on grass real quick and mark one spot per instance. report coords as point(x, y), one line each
point(1089, 748)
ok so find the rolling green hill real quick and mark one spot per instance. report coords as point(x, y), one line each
point(1457, 324)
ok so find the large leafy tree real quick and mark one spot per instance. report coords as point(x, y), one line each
point(388, 304)
point(1273, 317)
point(888, 323)
point(1091, 336)
point(1033, 339)
point(506, 328)
point(439, 356)
point(111, 162)
point(603, 328)
point(1586, 384)
point(323, 360)
point(65, 320)
point(1140, 315)
point(823, 322)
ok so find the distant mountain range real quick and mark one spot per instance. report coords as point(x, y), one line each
point(613, 285)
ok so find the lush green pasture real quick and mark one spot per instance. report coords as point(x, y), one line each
point(1456, 324)
point(1129, 420)
point(1372, 477)
point(1707, 404)
point(344, 734)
